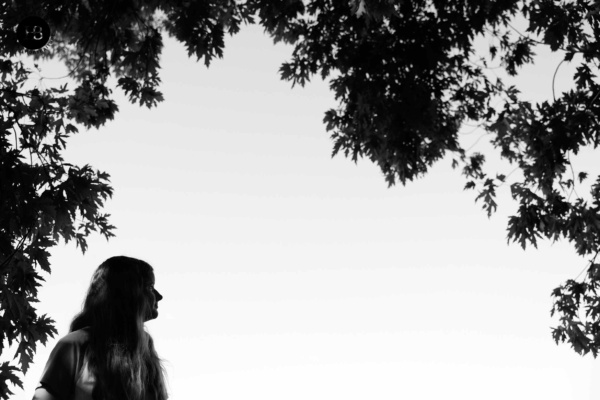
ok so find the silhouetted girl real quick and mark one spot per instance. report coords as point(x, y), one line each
point(108, 355)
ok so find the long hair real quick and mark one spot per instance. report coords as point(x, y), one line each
point(120, 352)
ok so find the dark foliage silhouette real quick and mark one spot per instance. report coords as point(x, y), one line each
point(405, 74)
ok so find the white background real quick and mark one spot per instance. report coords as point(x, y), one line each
point(287, 274)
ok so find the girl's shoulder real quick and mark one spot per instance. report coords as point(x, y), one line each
point(78, 336)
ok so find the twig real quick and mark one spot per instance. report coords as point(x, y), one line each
point(506, 177)
point(587, 266)
point(554, 78)
point(572, 175)
point(593, 100)
point(477, 141)
point(526, 37)
point(7, 260)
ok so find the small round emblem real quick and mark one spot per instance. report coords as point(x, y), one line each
point(33, 33)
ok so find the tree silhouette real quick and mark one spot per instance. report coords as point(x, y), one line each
point(407, 77)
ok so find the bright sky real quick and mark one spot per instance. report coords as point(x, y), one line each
point(287, 274)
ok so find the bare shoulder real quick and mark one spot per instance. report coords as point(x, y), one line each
point(43, 394)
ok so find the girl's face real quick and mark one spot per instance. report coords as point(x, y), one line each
point(153, 297)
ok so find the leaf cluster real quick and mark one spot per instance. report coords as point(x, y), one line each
point(407, 78)
point(42, 199)
point(573, 298)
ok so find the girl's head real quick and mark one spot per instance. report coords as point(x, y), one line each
point(120, 298)
point(122, 288)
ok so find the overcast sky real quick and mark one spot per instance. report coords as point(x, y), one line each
point(287, 274)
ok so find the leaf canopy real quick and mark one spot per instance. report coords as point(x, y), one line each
point(406, 76)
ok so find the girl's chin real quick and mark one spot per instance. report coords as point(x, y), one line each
point(152, 315)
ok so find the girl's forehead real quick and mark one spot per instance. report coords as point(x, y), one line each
point(149, 276)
